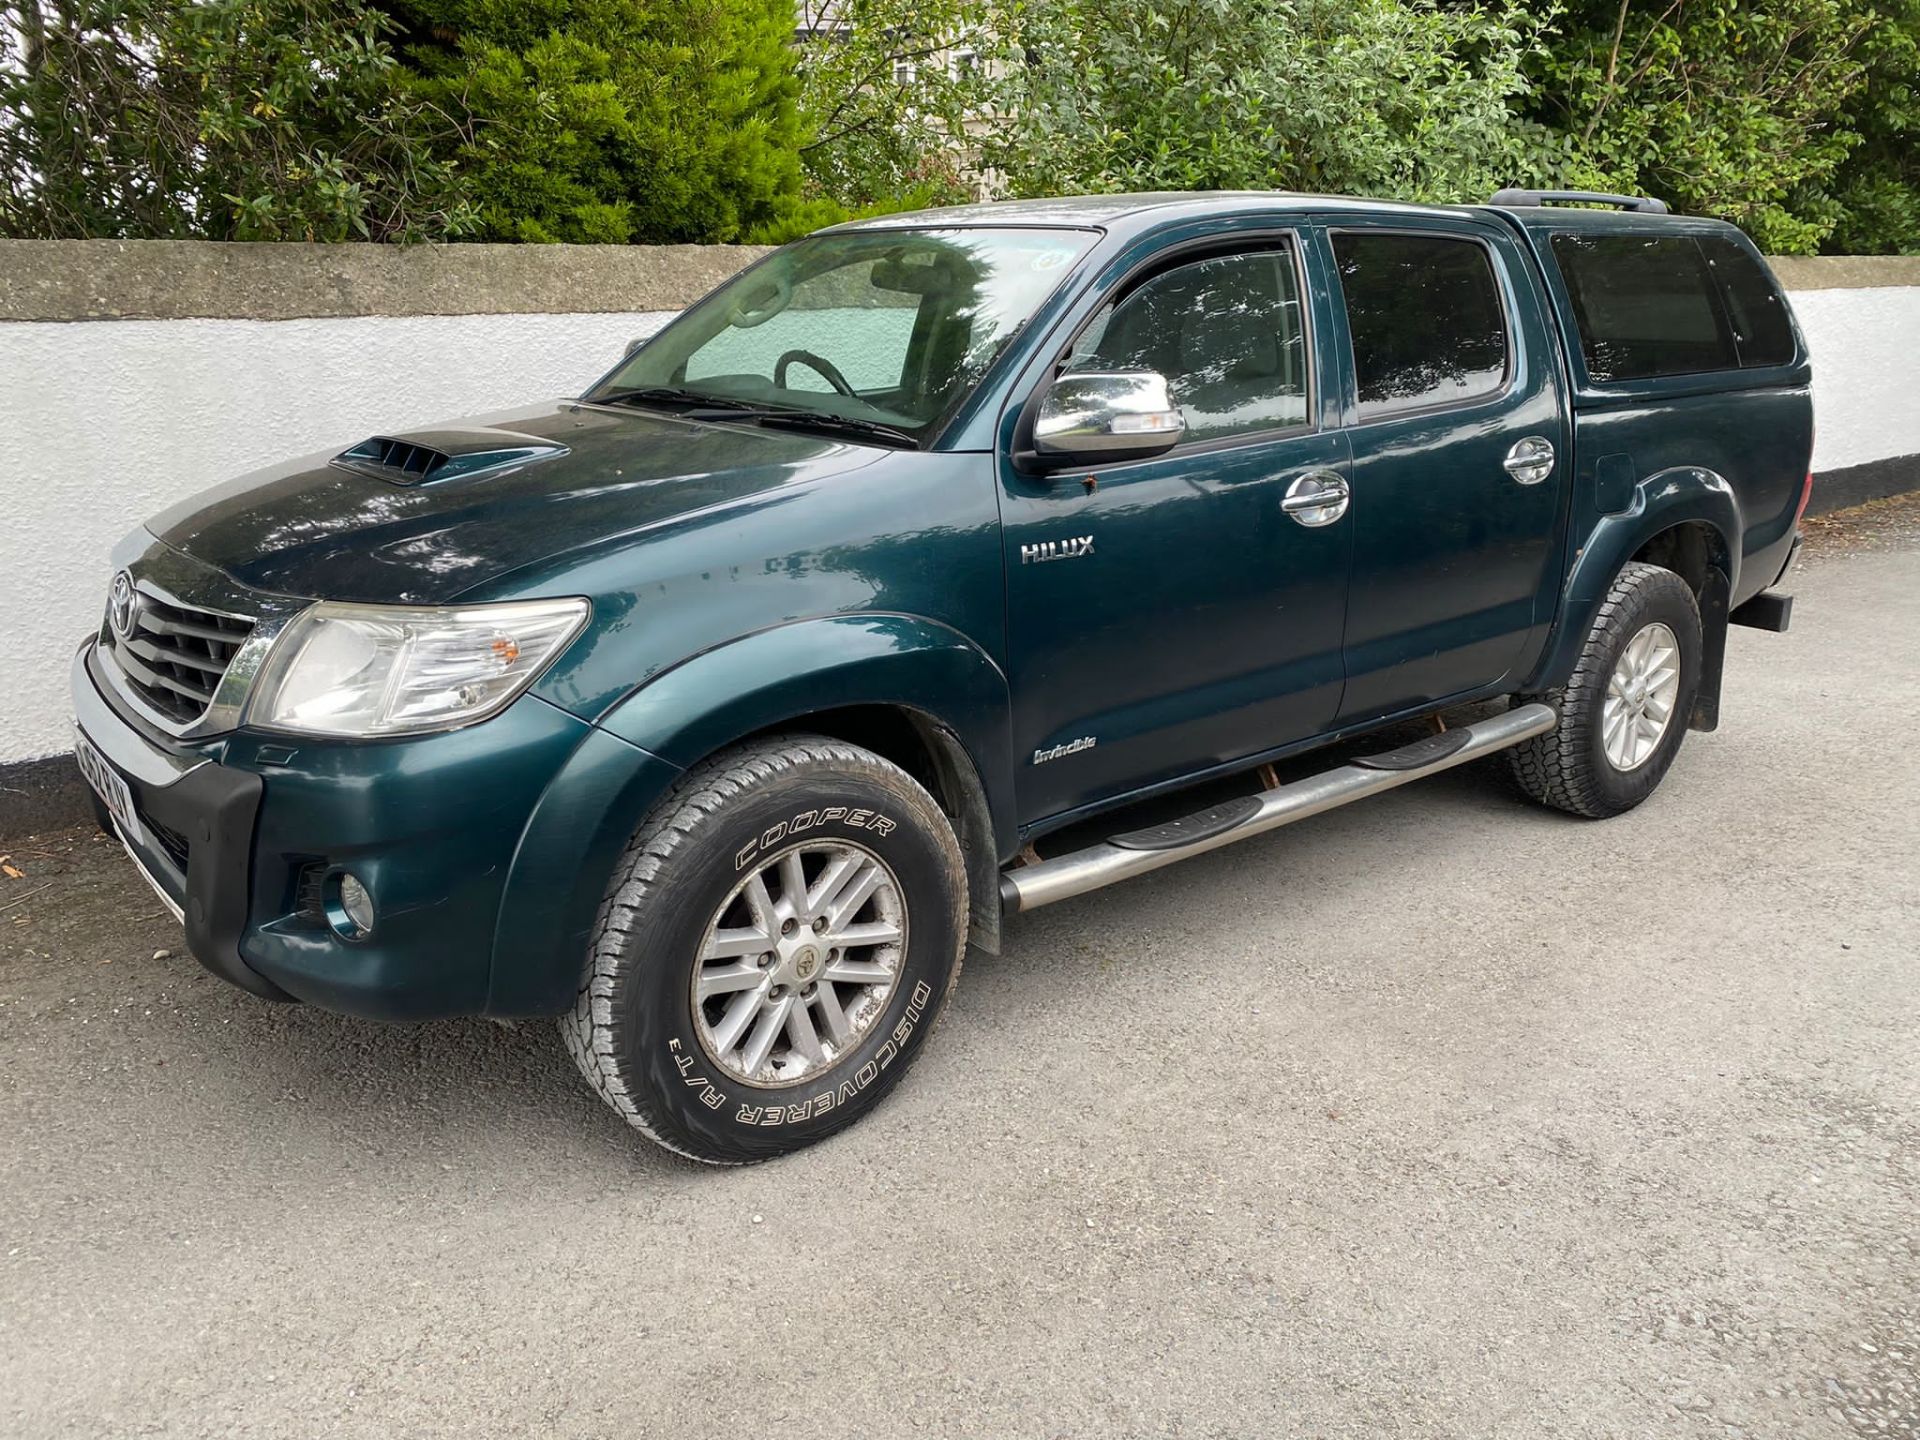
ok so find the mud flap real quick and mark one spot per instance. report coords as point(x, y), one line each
point(1713, 650)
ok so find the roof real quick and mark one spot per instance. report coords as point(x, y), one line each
point(1098, 210)
point(1146, 211)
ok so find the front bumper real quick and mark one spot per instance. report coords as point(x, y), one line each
point(241, 832)
point(195, 832)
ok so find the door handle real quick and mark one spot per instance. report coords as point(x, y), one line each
point(1316, 499)
point(1530, 460)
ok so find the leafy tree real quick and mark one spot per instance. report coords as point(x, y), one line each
point(221, 119)
point(887, 88)
point(1875, 194)
point(695, 120)
point(1796, 119)
point(1727, 109)
point(616, 120)
point(1383, 97)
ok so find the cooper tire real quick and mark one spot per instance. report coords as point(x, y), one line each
point(1580, 766)
point(645, 1033)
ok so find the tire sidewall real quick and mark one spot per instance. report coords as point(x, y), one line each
point(711, 1112)
point(1664, 600)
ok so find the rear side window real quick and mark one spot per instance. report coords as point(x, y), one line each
point(1670, 305)
point(1762, 333)
point(1426, 319)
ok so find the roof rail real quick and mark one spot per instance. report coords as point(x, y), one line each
point(1644, 204)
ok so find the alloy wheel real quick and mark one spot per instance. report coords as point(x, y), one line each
point(1640, 697)
point(798, 963)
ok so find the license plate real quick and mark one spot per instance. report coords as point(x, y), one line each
point(107, 784)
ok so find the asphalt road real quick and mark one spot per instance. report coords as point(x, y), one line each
point(1437, 1116)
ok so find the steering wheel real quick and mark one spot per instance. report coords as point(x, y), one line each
point(819, 364)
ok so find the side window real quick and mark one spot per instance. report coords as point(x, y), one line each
point(1762, 333)
point(1426, 319)
point(1226, 332)
point(871, 328)
point(1645, 305)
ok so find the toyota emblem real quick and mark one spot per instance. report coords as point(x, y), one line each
point(122, 605)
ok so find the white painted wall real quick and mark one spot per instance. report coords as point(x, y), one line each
point(103, 423)
point(1866, 373)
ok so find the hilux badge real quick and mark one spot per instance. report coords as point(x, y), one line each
point(122, 605)
point(1056, 550)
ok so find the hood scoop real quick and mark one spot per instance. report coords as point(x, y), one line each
point(434, 456)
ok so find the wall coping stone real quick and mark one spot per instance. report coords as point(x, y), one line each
point(54, 280)
point(63, 280)
point(1846, 272)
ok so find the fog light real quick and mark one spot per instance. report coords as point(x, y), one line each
point(350, 908)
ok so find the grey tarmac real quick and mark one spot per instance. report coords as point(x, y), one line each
point(1436, 1116)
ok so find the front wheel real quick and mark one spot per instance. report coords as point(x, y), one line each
point(1625, 709)
point(775, 948)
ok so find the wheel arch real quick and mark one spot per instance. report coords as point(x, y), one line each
point(915, 692)
point(1686, 519)
point(1691, 549)
point(911, 690)
point(938, 759)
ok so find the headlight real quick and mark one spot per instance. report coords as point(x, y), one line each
point(341, 669)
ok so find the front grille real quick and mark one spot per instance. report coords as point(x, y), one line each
point(175, 656)
point(309, 896)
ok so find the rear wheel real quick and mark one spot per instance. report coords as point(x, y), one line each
point(775, 948)
point(1624, 711)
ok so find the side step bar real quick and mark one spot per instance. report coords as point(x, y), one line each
point(1028, 887)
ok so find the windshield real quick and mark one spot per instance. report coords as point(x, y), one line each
point(888, 327)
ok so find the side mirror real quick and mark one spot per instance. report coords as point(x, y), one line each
point(1109, 415)
point(634, 344)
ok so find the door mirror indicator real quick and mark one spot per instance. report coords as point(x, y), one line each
point(1107, 415)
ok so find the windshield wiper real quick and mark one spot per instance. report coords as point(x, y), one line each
point(693, 401)
point(820, 420)
point(674, 395)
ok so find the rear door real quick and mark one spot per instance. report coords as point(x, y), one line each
point(1454, 408)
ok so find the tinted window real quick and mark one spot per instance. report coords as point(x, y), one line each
point(1762, 333)
point(1645, 306)
point(1426, 319)
point(1226, 332)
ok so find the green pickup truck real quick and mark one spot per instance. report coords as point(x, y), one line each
point(933, 569)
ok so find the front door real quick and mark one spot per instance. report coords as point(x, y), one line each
point(1167, 615)
point(1459, 458)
